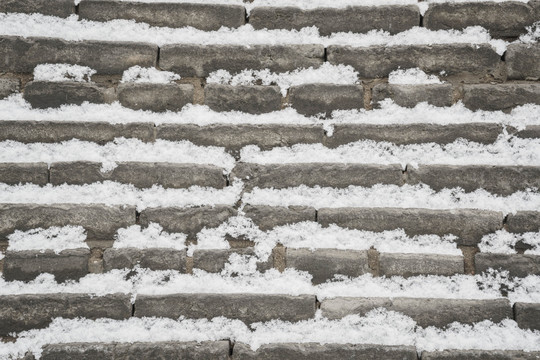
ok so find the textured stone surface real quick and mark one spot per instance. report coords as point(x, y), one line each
point(500, 97)
point(45, 94)
point(8, 87)
point(200, 60)
point(523, 221)
point(14, 173)
point(323, 264)
point(154, 259)
point(24, 312)
point(379, 61)
point(425, 311)
point(252, 99)
point(528, 315)
point(516, 264)
point(313, 99)
point(480, 355)
point(249, 308)
point(406, 265)
point(144, 175)
point(523, 61)
point(467, 224)
point(411, 95)
point(267, 217)
point(27, 265)
point(530, 132)
point(61, 8)
point(155, 97)
point(214, 260)
point(23, 54)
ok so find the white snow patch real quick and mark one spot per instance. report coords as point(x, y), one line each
point(54, 238)
point(63, 72)
point(525, 289)
point(151, 237)
point(533, 34)
point(503, 242)
point(137, 74)
point(413, 76)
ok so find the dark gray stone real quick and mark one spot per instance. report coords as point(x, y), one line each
point(47, 94)
point(523, 61)
point(176, 15)
point(425, 311)
point(200, 60)
point(143, 175)
point(313, 99)
point(155, 97)
point(69, 264)
point(61, 8)
point(153, 259)
point(214, 260)
point(411, 95)
point(503, 97)
point(267, 217)
point(21, 55)
point(467, 224)
point(9, 86)
point(530, 132)
point(15, 173)
point(480, 355)
point(34, 311)
point(356, 19)
point(249, 308)
point(99, 221)
point(406, 265)
point(523, 221)
point(519, 265)
point(379, 61)
point(252, 99)
point(528, 315)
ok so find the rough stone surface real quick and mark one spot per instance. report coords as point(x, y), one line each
point(480, 355)
point(143, 175)
point(155, 97)
point(323, 264)
point(425, 311)
point(154, 259)
point(8, 87)
point(46, 94)
point(506, 19)
point(99, 221)
point(501, 180)
point(379, 61)
point(214, 260)
point(61, 8)
point(523, 221)
point(248, 308)
point(252, 99)
point(24, 312)
point(528, 315)
point(522, 61)
point(27, 265)
point(21, 55)
point(356, 19)
point(15, 173)
point(467, 224)
point(200, 60)
point(411, 95)
point(406, 265)
point(313, 99)
point(530, 132)
point(520, 265)
point(176, 15)
point(267, 217)
point(500, 97)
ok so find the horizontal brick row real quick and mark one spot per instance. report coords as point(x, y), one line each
point(61, 8)
point(519, 265)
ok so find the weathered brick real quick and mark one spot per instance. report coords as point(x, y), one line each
point(27, 265)
point(523, 221)
point(154, 259)
point(15, 173)
point(502, 180)
point(155, 97)
point(200, 60)
point(530, 132)
point(46, 94)
point(313, 99)
point(425, 311)
point(61, 8)
point(467, 224)
point(9, 86)
point(379, 61)
point(500, 96)
point(528, 315)
point(406, 265)
point(480, 355)
point(411, 95)
point(249, 308)
point(144, 175)
point(214, 260)
point(267, 217)
point(523, 61)
point(356, 19)
point(516, 264)
point(252, 99)
point(176, 15)
point(21, 55)
point(99, 221)
point(33, 311)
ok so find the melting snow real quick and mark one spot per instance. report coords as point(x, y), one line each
point(63, 72)
point(503, 242)
point(137, 74)
point(54, 238)
point(151, 237)
point(413, 76)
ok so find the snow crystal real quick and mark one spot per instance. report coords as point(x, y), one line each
point(151, 237)
point(413, 76)
point(503, 242)
point(63, 72)
point(137, 74)
point(54, 238)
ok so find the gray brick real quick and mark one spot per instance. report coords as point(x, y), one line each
point(15, 173)
point(45, 94)
point(252, 99)
point(411, 95)
point(143, 175)
point(9, 86)
point(61, 8)
point(527, 315)
point(425, 311)
point(379, 61)
point(268, 217)
point(21, 55)
point(467, 224)
point(517, 264)
point(406, 265)
point(248, 308)
point(356, 19)
point(500, 97)
point(313, 99)
point(480, 355)
point(522, 61)
point(27, 265)
point(99, 221)
point(530, 132)
point(200, 60)
point(523, 221)
point(502, 180)
point(154, 259)
point(33, 311)
point(155, 97)
point(200, 16)
point(214, 260)
point(323, 264)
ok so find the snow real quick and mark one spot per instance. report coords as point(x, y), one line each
point(413, 76)
point(137, 74)
point(54, 238)
point(533, 34)
point(503, 242)
point(63, 72)
point(152, 236)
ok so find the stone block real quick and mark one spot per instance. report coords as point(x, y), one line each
point(519, 265)
point(406, 265)
point(527, 315)
point(9, 86)
point(249, 308)
point(201, 60)
point(503, 97)
point(523, 221)
point(530, 132)
point(214, 260)
point(523, 61)
point(480, 355)
point(252, 99)
point(267, 217)
point(48, 94)
point(411, 95)
point(314, 99)
point(60, 8)
point(15, 173)
point(153, 259)
point(155, 97)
